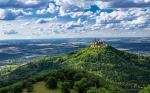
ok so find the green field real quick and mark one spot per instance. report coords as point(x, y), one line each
point(40, 88)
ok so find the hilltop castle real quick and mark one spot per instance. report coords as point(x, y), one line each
point(98, 44)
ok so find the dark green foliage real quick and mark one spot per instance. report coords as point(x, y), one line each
point(145, 90)
point(65, 87)
point(30, 69)
point(4, 90)
point(60, 76)
point(115, 89)
point(81, 86)
point(51, 83)
point(129, 70)
point(15, 88)
point(78, 76)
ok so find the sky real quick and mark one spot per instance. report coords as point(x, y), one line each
point(42, 19)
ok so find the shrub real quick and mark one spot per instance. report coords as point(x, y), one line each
point(51, 83)
point(81, 86)
point(4, 90)
point(78, 76)
point(65, 87)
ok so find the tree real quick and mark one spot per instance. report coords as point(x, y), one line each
point(78, 76)
point(81, 86)
point(65, 87)
point(51, 83)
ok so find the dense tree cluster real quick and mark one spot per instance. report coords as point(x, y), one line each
point(67, 80)
point(81, 81)
point(51, 83)
point(65, 87)
point(129, 70)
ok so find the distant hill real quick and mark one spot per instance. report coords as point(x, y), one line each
point(130, 71)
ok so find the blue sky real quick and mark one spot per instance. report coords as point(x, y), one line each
point(33, 19)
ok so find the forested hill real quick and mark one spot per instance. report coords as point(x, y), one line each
point(126, 69)
point(130, 71)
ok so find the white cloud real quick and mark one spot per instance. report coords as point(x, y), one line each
point(2, 14)
point(73, 24)
point(67, 6)
point(78, 3)
point(29, 2)
point(56, 29)
point(45, 20)
point(124, 19)
point(6, 15)
point(124, 4)
point(10, 14)
point(75, 16)
point(42, 11)
point(51, 9)
point(23, 3)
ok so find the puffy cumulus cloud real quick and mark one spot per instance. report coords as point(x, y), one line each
point(72, 3)
point(124, 19)
point(84, 15)
point(74, 24)
point(30, 3)
point(47, 7)
point(68, 6)
point(7, 15)
point(57, 29)
point(23, 3)
point(124, 3)
point(10, 14)
point(77, 16)
point(52, 8)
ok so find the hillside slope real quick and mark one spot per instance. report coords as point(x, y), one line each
point(130, 71)
point(127, 69)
